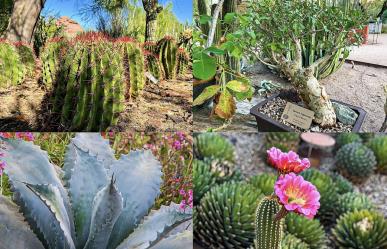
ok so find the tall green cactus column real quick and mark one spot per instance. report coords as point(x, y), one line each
point(167, 48)
point(268, 230)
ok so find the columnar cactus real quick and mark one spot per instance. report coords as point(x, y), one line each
point(268, 232)
point(150, 46)
point(167, 49)
point(182, 62)
point(27, 57)
point(95, 78)
point(356, 162)
point(12, 70)
point(152, 64)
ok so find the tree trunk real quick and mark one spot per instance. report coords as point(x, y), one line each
point(23, 20)
point(152, 9)
point(312, 93)
point(384, 8)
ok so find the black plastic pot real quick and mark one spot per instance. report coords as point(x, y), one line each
point(267, 124)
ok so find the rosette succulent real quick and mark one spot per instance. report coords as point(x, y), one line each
point(264, 182)
point(284, 141)
point(347, 138)
point(213, 145)
point(290, 241)
point(94, 201)
point(379, 146)
point(352, 201)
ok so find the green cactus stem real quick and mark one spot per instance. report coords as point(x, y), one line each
point(167, 48)
point(269, 227)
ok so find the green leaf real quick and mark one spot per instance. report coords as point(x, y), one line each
point(204, 19)
point(139, 180)
point(204, 68)
point(14, 231)
point(107, 207)
point(177, 241)
point(214, 50)
point(88, 176)
point(225, 107)
point(156, 226)
point(238, 86)
point(245, 95)
point(229, 18)
point(50, 195)
point(27, 163)
point(207, 93)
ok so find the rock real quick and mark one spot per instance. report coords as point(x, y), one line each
point(345, 114)
point(71, 27)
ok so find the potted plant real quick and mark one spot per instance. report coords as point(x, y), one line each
point(303, 41)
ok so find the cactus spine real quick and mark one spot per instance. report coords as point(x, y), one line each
point(268, 230)
point(167, 48)
point(12, 70)
point(93, 79)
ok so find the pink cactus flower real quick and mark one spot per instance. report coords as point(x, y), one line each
point(297, 195)
point(287, 162)
point(29, 136)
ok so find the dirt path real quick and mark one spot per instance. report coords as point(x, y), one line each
point(360, 86)
point(162, 107)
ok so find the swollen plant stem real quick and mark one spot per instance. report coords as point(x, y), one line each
point(214, 21)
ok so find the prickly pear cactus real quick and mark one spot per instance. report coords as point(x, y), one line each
point(167, 49)
point(268, 232)
point(379, 146)
point(94, 201)
point(356, 162)
point(12, 70)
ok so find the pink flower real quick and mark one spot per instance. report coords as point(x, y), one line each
point(287, 162)
point(177, 145)
point(2, 166)
point(183, 205)
point(297, 195)
point(182, 192)
point(6, 134)
point(29, 136)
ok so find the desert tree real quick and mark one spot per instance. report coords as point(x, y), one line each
point(152, 9)
point(278, 33)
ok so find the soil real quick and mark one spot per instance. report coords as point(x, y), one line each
point(165, 106)
point(360, 86)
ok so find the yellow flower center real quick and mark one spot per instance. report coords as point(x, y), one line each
point(294, 196)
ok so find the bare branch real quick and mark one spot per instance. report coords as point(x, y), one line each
point(214, 21)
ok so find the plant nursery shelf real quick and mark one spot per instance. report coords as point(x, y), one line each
point(268, 124)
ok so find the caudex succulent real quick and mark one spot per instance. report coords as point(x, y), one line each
point(291, 194)
point(94, 201)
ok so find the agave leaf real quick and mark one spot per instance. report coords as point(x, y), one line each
point(27, 163)
point(50, 195)
point(155, 226)
point(107, 206)
point(88, 142)
point(177, 241)
point(14, 231)
point(138, 179)
point(88, 176)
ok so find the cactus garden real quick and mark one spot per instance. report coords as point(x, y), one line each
point(120, 70)
point(91, 190)
point(286, 190)
point(254, 59)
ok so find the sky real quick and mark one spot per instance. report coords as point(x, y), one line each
point(181, 8)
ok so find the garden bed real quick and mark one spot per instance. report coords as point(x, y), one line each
point(268, 115)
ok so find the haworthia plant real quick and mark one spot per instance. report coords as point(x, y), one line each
point(96, 201)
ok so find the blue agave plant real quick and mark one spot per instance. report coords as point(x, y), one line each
point(94, 201)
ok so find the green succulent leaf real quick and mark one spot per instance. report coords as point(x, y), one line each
point(139, 194)
point(50, 195)
point(14, 231)
point(88, 176)
point(155, 226)
point(107, 206)
point(177, 241)
point(27, 163)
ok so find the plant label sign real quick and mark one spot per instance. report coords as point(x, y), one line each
point(151, 78)
point(297, 115)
